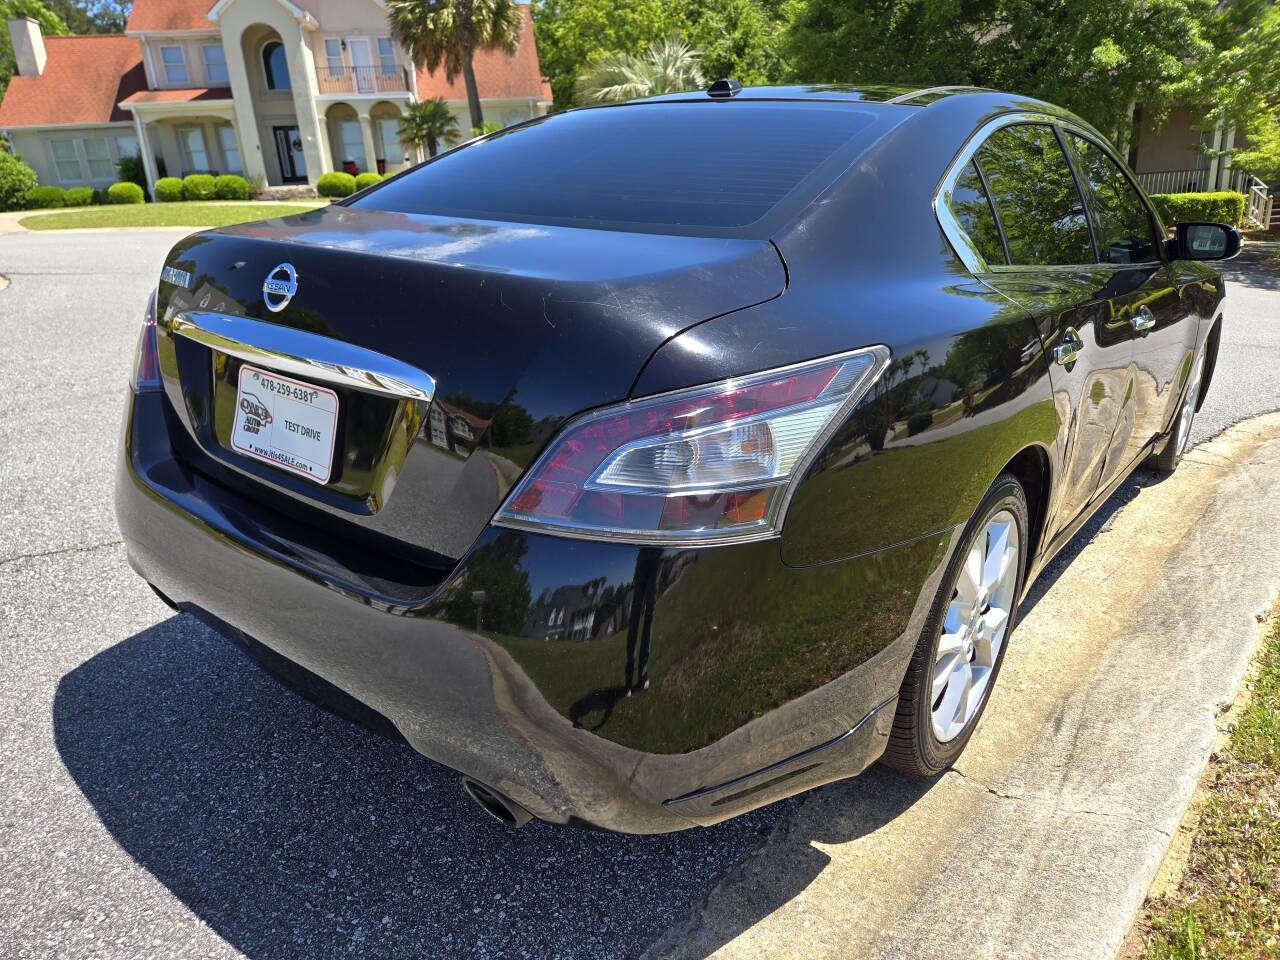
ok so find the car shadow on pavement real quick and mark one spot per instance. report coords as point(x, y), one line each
point(292, 832)
point(1256, 266)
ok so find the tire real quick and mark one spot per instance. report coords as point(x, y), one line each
point(928, 735)
point(1166, 460)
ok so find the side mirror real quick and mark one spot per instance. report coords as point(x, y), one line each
point(1206, 241)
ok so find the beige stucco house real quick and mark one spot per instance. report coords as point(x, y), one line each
point(277, 90)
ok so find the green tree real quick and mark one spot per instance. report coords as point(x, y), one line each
point(50, 24)
point(92, 16)
point(738, 38)
point(447, 33)
point(668, 66)
point(429, 123)
point(1097, 59)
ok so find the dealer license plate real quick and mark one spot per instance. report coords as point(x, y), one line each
point(285, 422)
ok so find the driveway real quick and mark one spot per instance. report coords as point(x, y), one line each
point(162, 796)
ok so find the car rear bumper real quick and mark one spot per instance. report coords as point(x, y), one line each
point(523, 709)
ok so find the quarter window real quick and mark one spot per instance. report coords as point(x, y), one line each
point(1119, 215)
point(174, 63)
point(65, 159)
point(215, 64)
point(230, 149)
point(276, 65)
point(386, 56)
point(194, 157)
point(972, 210)
point(333, 57)
point(1035, 196)
point(100, 165)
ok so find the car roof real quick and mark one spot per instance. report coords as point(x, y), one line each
point(860, 92)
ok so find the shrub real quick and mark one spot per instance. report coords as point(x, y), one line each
point(1224, 207)
point(81, 196)
point(45, 198)
point(168, 190)
point(130, 169)
point(125, 192)
point(16, 178)
point(336, 184)
point(197, 186)
point(231, 187)
point(367, 179)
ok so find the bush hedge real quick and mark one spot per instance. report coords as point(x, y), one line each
point(81, 196)
point(45, 198)
point(337, 184)
point(197, 186)
point(168, 190)
point(367, 179)
point(1223, 207)
point(231, 187)
point(124, 192)
point(16, 178)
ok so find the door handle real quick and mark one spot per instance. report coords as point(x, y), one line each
point(1068, 351)
point(1143, 319)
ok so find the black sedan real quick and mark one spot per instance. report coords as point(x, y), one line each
point(648, 463)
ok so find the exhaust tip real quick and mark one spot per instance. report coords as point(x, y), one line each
point(503, 809)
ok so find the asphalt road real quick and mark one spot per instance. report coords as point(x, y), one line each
point(161, 796)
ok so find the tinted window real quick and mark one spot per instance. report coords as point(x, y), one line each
point(972, 210)
point(1035, 196)
point(674, 166)
point(1119, 215)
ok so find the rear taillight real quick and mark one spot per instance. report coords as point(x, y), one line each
point(146, 368)
point(713, 464)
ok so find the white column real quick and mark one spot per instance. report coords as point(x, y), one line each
point(302, 76)
point(1224, 176)
point(144, 151)
point(370, 153)
point(1213, 159)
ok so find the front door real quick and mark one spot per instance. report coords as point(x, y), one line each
point(1053, 273)
point(293, 166)
point(1143, 295)
point(362, 64)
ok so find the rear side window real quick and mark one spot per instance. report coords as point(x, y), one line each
point(972, 210)
point(674, 166)
point(1035, 196)
point(1119, 215)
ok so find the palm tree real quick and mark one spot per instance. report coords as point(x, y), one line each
point(668, 66)
point(448, 33)
point(429, 123)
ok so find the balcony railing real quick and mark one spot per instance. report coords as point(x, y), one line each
point(1191, 181)
point(361, 79)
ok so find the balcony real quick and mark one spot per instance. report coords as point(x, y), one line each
point(361, 80)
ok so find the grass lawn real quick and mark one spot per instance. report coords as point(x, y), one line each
point(1228, 904)
point(161, 215)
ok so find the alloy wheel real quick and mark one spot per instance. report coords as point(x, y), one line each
point(975, 626)
point(1188, 411)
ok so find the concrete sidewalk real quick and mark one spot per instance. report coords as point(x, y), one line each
point(1044, 839)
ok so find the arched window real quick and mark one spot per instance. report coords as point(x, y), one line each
point(275, 65)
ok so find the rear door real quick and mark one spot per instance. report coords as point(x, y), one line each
point(1051, 269)
point(1142, 293)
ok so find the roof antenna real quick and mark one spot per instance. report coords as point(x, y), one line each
point(723, 89)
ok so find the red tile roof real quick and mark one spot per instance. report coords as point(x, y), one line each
point(83, 81)
point(179, 96)
point(497, 75)
point(170, 15)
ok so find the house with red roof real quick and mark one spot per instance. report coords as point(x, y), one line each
point(279, 91)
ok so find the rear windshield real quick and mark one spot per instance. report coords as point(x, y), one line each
point(678, 167)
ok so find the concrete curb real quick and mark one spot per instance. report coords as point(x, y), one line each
point(1045, 838)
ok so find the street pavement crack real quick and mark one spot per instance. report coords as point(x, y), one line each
point(85, 548)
